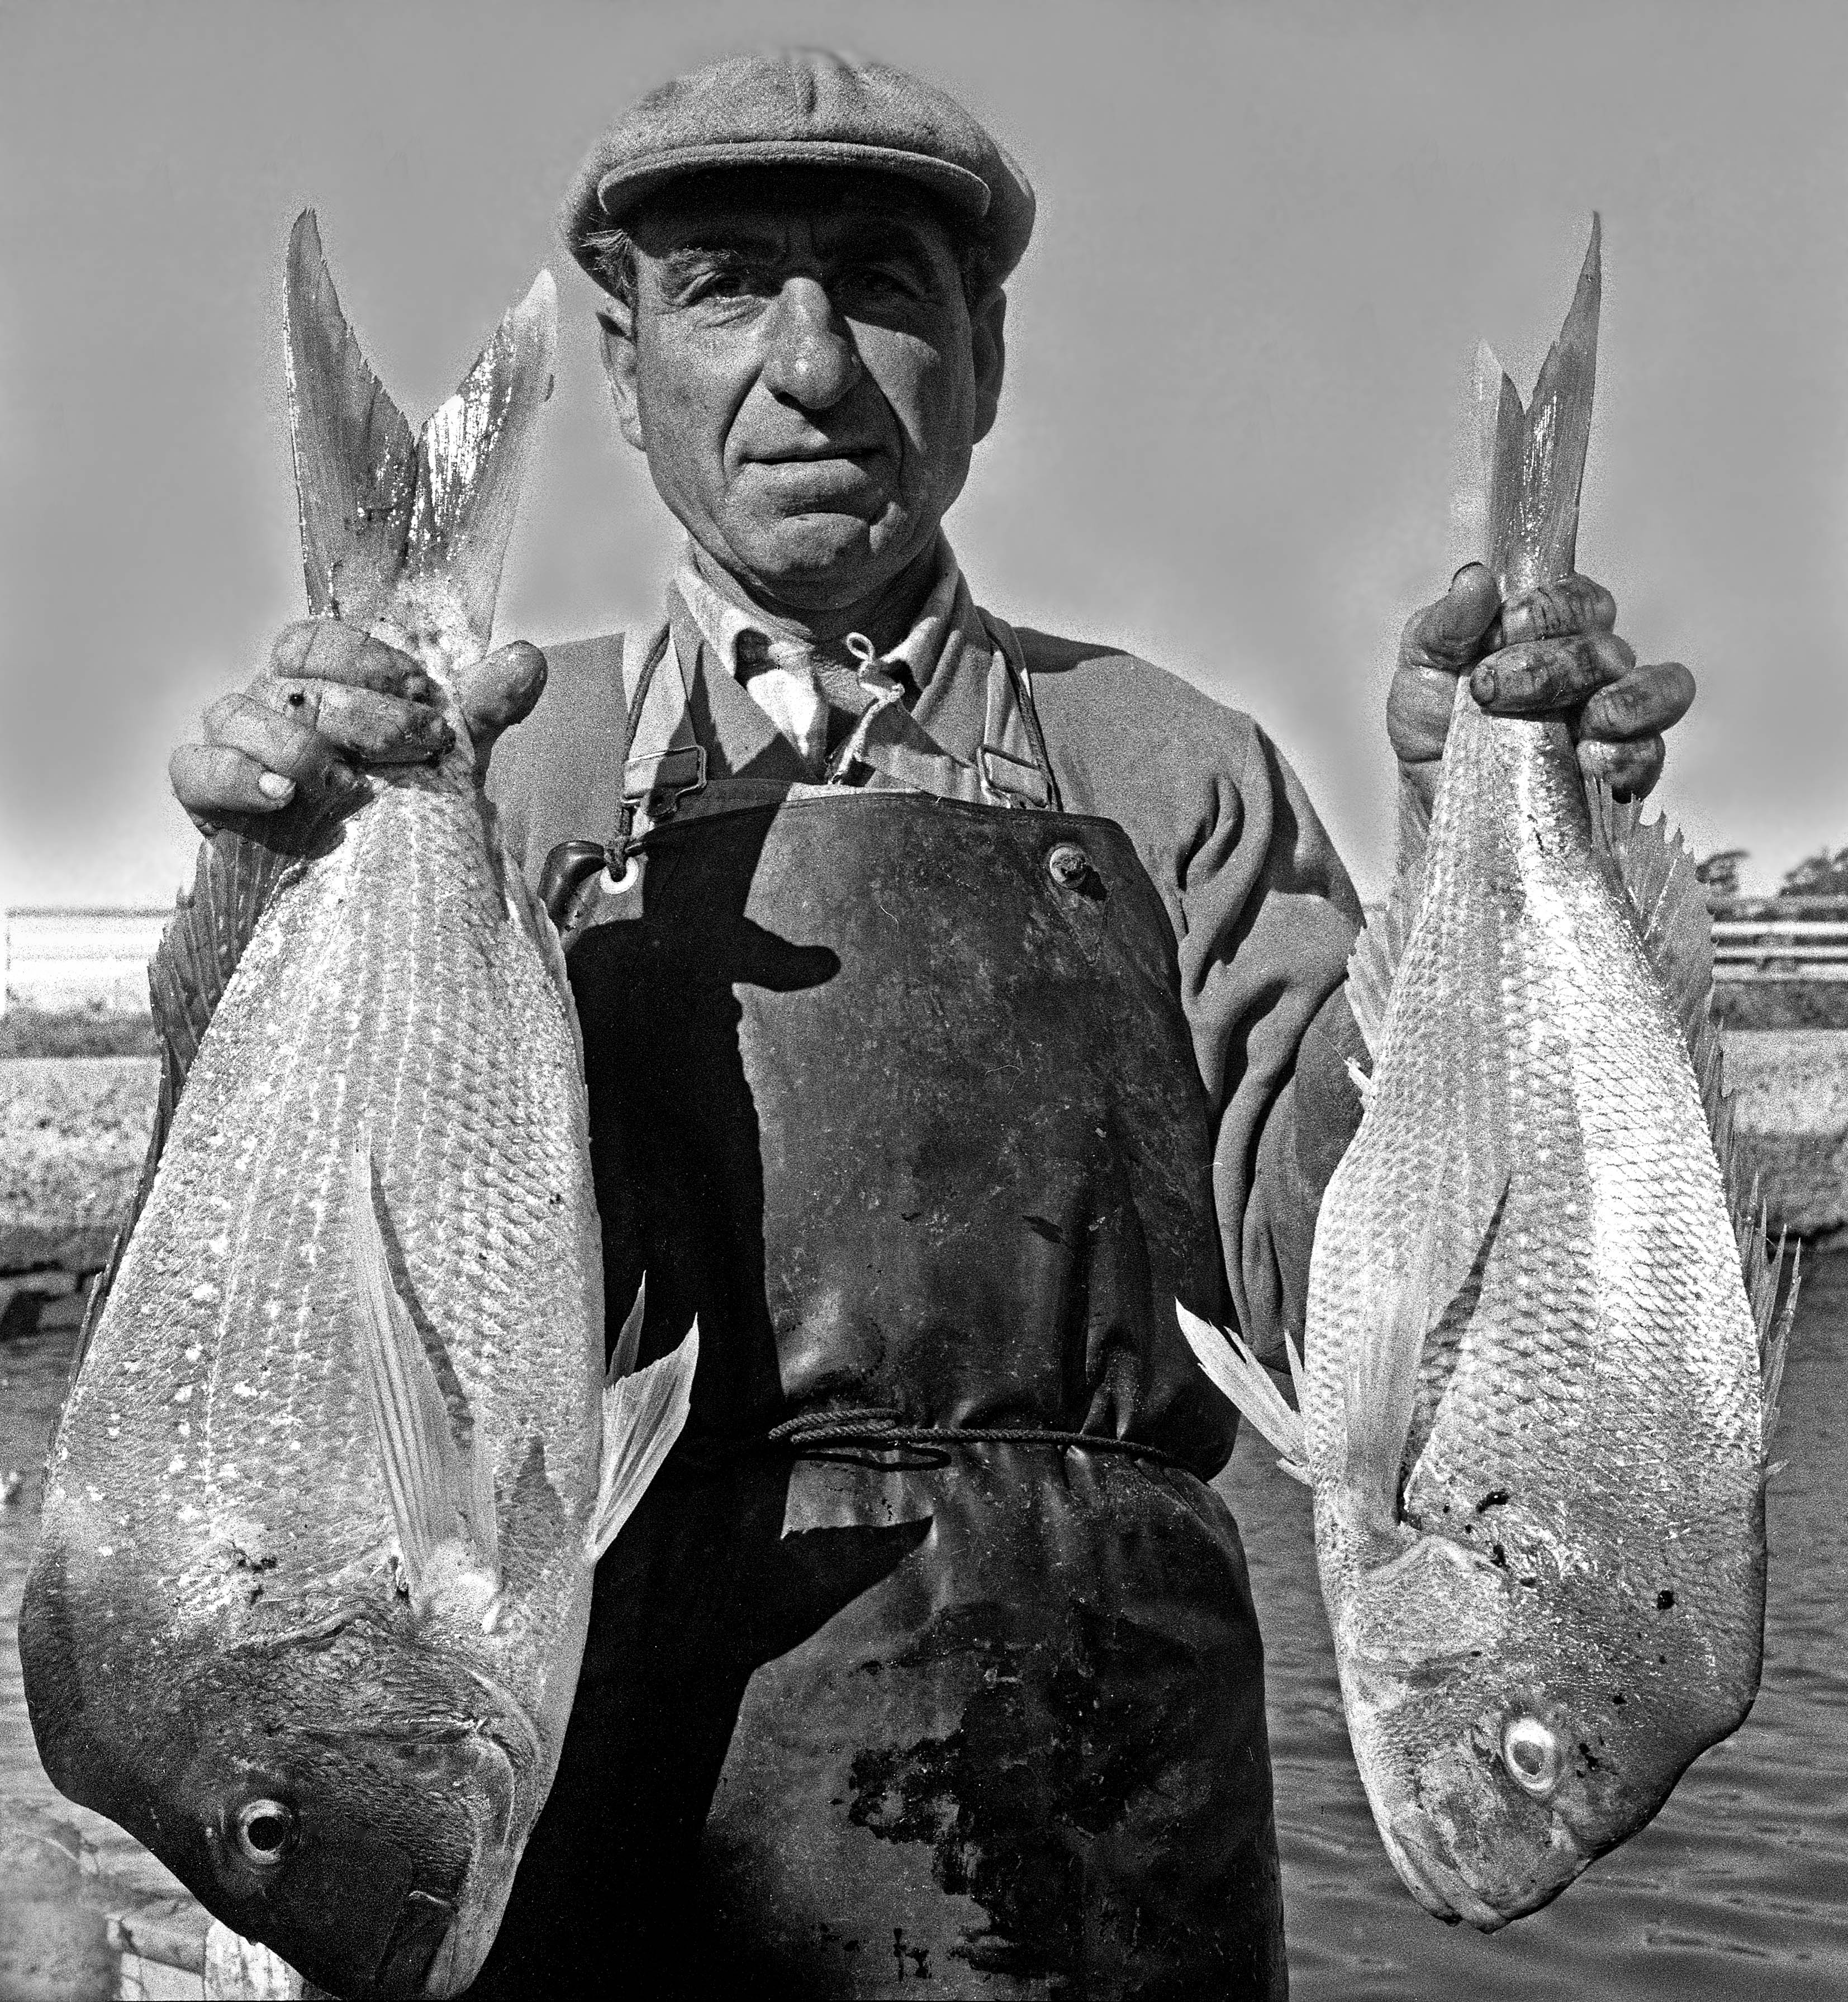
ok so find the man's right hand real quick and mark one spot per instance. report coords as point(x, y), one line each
point(331, 701)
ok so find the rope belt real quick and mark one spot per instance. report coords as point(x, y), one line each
point(879, 1429)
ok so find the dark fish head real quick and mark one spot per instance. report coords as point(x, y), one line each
point(1512, 1724)
point(351, 1798)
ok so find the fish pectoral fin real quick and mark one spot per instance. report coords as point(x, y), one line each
point(628, 1342)
point(1235, 1372)
point(442, 1493)
point(642, 1415)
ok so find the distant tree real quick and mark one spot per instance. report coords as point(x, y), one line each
point(1719, 871)
point(1818, 875)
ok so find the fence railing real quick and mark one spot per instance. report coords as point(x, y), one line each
point(96, 955)
point(1780, 938)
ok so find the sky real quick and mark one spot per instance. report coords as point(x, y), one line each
point(1236, 437)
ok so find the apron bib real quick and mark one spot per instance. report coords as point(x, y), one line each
point(930, 1658)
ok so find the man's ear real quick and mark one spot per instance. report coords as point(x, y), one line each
point(988, 341)
point(617, 340)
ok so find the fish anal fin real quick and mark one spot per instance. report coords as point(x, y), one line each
point(472, 456)
point(642, 1414)
point(355, 457)
point(441, 1493)
point(1234, 1371)
point(1374, 962)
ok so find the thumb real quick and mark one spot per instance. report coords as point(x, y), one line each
point(1449, 635)
point(498, 692)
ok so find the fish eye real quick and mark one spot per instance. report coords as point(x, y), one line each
point(1532, 1754)
point(265, 1829)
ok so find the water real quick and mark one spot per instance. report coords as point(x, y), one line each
point(1736, 1890)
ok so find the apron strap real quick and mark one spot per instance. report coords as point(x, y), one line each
point(1014, 756)
point(664, 762)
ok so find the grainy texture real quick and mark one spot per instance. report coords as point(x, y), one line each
point(226, 1646)
point(1532, 1393)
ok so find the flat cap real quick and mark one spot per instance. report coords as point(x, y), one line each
point(803, 107)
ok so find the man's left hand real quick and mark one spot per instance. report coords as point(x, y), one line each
point(1547, 652)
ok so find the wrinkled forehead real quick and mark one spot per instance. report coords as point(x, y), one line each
point(769, 209)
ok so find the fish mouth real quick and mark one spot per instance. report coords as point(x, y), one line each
point(1438, 1888)
point(411, 1963)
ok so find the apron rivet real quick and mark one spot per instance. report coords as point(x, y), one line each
point(1068, 865)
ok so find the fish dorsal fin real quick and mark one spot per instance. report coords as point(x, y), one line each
point(472, 456)
point(355, 457)
point(1676, 928)
point(629, 1339)
point(1234, 1371)
point(442, 1493)
point(1373, 964)
point(1670, 903)
point(642, 1415)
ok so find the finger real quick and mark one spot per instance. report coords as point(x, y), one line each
point(374, 729)
point(1630, 769)
point(499, 691)
point(1448, 634)
point(1540, 676)
point(1419, 708)
point(210, 780)
point(324, 650)
point(275, 740)
point(1642, 704)
point(1572, 604)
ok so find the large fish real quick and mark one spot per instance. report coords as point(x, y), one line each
point(1538, 1381)
point(310, 1593)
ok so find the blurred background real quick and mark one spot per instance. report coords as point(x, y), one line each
point(1241, 347)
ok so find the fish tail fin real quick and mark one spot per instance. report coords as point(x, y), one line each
point(1536, 455)
point(472, 456)
point(355, 457)
point(441, 1493)
point(1235, 1372)
point(642, 1415)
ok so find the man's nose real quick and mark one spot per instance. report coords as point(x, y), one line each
point(812, 361)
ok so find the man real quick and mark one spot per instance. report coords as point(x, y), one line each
point(954, 998)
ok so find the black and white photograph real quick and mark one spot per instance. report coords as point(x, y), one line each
point(924, 1000)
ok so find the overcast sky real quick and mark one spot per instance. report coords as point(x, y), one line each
point(1239, 350)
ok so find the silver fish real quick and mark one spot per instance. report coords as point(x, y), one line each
point(1540, 1377)
point(311, 1589)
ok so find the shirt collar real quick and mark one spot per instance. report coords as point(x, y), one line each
point(723, 622)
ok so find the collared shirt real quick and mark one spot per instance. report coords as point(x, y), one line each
point(802, 687)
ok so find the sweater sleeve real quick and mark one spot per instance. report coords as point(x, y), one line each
point(1269, 917)
point(1265, 917)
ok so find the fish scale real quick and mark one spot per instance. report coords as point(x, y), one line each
point(338, 1457)
point(1539, 1375)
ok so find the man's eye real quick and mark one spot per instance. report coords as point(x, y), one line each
point(886, 281)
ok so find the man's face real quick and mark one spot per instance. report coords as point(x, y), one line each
point(803, 372)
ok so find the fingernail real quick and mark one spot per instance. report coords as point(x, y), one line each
point(273, 786)
point(1462, 568)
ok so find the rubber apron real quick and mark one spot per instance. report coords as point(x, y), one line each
point(930, 1657)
